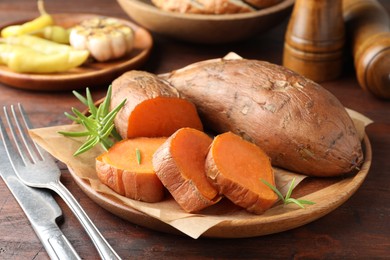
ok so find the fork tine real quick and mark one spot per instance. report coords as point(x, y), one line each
point(26, 120)
point(19, 135)
point(24, 124)
point(17, 158)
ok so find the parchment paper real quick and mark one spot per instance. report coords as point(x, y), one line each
point(168, 211)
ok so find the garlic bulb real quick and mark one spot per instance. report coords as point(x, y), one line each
point(104, 38)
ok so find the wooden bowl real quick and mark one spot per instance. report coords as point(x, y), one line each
point(201, 28)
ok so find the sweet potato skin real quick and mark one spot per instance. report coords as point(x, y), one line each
point(298, 123)
point(140, 87)
point(185, 190)
point(149, 189)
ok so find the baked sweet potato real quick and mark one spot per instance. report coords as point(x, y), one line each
point(180, 165)
point(204, 6)
point(127, 169)
point(153, 107)
point(236, 168)
point(298, 123)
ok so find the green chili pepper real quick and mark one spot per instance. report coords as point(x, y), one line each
point(27, 60)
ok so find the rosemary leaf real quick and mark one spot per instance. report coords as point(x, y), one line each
point(290, 189)
point(105, 105)
point(73, 118)
point(74, 134)
point(90, 126)
point(105, 133)
point(287, 199)
point(87, 145)
point(80, 115)
point(308, 202)
point(106, 143)
point(99, 112)
point(138, 154)
point(116, 135)
point(109, 118)
point(273, 188)
point(292, 200)
point(80, 97)
point(91, 104)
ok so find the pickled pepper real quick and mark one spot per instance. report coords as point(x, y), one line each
point(36, 24)
point(27, 60)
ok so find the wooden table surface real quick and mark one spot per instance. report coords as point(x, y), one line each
point(358, 229)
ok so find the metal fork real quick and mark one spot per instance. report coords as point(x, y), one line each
point(36, 168)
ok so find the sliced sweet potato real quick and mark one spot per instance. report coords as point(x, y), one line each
point(127, 169)
point(179, 163)
point(236, 167)
point(153, 107)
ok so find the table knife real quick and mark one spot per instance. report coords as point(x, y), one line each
point(41, 210)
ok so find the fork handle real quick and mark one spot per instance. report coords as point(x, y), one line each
point(103, 247)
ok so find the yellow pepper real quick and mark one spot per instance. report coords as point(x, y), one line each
point(36, 24)
point(54, 33)
point(27, 60)
point(37, 43)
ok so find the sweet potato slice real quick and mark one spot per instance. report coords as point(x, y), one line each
point(153, 107)
point(236, 167)
point(120, 169)
point(179, 163)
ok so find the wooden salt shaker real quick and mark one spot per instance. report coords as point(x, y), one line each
point(315, 38)
point(368, 27)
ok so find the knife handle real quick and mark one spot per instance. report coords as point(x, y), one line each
point(103, 247)
point(56, 244)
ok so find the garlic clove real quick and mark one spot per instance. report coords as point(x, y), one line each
point(100, 47)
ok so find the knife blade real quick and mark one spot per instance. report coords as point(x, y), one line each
point(41, 210)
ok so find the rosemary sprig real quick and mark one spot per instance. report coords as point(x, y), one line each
point(287, 200)
point(138, 155)
point(99, 125)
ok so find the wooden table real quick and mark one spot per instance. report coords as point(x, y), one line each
point(358, 229)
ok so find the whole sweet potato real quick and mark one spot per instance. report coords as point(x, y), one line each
point(298, 123)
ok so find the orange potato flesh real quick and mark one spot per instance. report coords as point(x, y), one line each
point(123, 154)
point(162, 116)
point(179, 163)
point(119, 169)
point(236, 168)
point(190, 155)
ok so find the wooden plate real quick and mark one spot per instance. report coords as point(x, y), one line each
point(90, 75)
point(327, 193)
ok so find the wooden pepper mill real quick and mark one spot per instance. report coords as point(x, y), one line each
point(368, 27)
point(315, 39)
